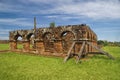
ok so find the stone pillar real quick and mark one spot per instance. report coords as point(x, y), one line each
point(26, 46)
point(58, 46)
point(89, 47)
point(86, 48)
point(40, 47)
point(13, 45)
point(77, 47)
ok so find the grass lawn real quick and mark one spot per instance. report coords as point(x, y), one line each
point(4, 46)
point(14, 66)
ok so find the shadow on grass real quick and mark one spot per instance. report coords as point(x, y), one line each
point(104, 57)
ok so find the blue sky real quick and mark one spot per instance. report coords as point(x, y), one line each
point(103, 16)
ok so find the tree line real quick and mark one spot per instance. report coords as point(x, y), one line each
point(108, 43)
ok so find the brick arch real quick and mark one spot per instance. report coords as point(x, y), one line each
point(62, 33)
point(48, 41)
point(30, 42)
point(16, 40)
point(28, 36)
point(67, 38)
point(45, 33)
point(67, 29)
point(16, 35)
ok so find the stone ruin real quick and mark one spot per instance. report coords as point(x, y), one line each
point(64, 41)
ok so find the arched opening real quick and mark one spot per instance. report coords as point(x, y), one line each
point(48, 41)
point(31, 41)
point(67, 40)
point(19, 44)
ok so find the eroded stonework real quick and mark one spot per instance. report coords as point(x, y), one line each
point(54, 40)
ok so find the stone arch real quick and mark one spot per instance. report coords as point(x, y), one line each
point(15, 37)
point(30, 40)
point(18, 41)
point(48, 41)
point(67, 29)
point(29, 36)
point(67, 38)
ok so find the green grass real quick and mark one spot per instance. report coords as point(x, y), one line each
point(14, 66)
point(19, 46)
point(4, 46)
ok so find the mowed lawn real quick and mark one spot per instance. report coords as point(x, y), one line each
point(17, 66)
point(4, 46)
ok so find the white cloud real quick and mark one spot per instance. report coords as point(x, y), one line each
point(51, 16)
point(5, 7)
point(16, 21)
point(107, 29)
point(4, 31)
point(4, 38)
point(95, 9)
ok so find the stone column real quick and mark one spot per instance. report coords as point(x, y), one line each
point(13, 45)
point(26, 46)
point(58, 46)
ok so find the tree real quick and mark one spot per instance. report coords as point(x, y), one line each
point(102, 42)
point(52, 24)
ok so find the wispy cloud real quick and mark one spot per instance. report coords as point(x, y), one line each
point(95, 9)
point(98, 13)
point(4, 38)
point(4, 32)
point(16, 21)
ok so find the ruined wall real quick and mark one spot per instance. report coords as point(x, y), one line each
point(54, 40)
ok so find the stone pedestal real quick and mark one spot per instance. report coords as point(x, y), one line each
point(58, 46)
point(26, 46)
point(13, 45)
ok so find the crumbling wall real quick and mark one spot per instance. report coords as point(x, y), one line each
point(54, 40)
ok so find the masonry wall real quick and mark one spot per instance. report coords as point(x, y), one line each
point(55, 40)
